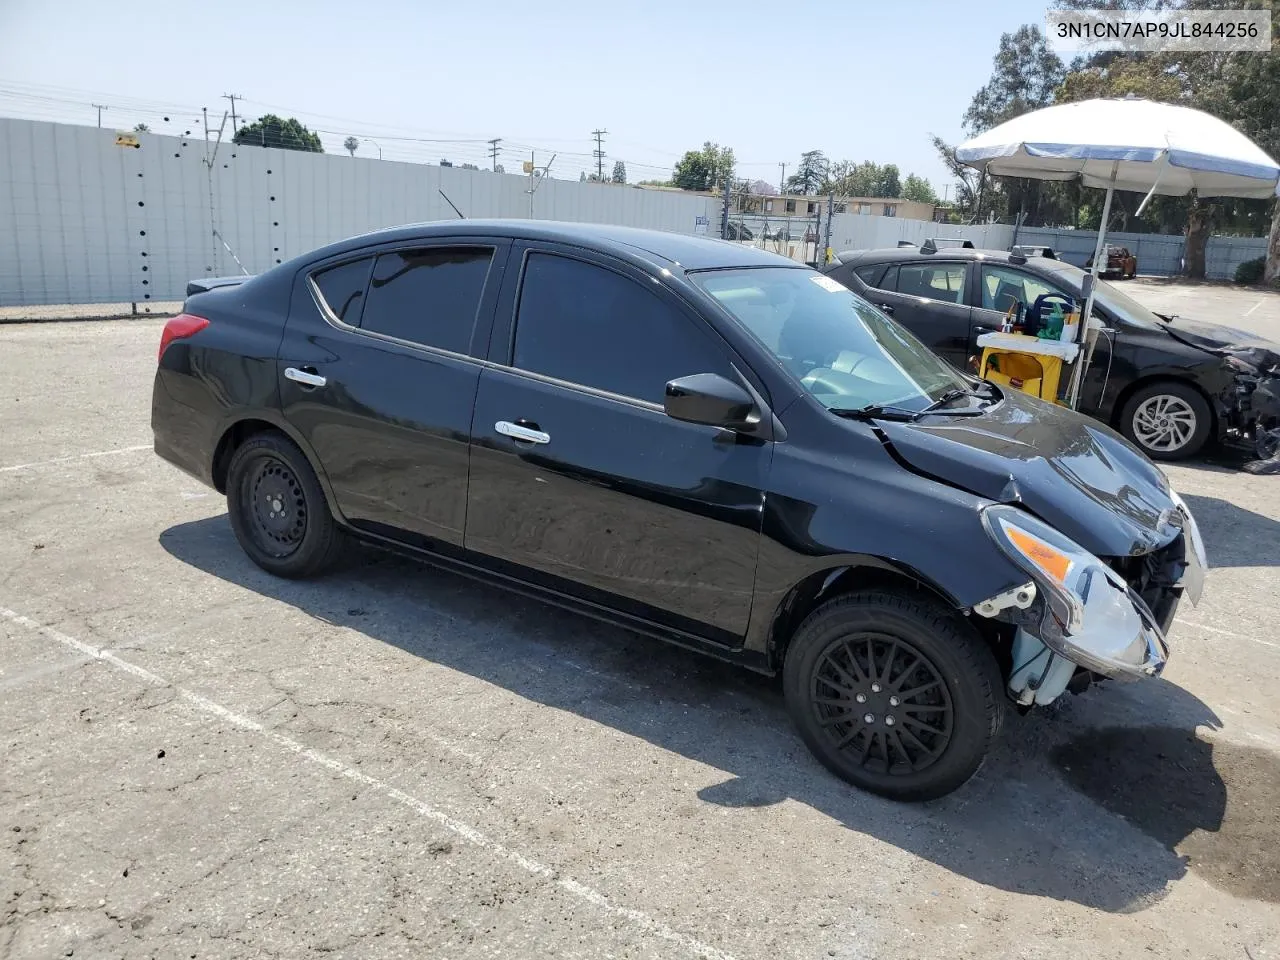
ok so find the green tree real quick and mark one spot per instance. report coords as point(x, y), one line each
point(918, 189)
point(975, 201)
point(619, 172)
point(1025, 75)
point(351, 145)
point(811, 176)
point(273, 131)
point(704, 169)
point(141, 128)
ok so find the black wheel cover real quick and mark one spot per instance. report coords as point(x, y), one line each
point(882, 703)
point(273, 505)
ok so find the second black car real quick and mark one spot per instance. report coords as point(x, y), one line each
point(1168, 384)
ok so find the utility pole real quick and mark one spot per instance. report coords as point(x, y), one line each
point(598, 153)
point(494, 150)
point(233, 97)
point(826, 243)
point(535, 179)
point(724, 211)
point(782, 178)
point(99, 107)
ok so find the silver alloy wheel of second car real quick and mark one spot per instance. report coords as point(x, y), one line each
point(1164, 423)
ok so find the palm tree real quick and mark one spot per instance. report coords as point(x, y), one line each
point(351, 143)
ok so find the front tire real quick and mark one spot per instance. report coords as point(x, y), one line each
point(278, 509)
point(894, 693)
point(1167, 420)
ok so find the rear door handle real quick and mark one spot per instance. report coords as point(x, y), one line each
point(518, 432)
point(306, 377)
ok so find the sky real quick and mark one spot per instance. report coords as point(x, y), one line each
point(860, 80)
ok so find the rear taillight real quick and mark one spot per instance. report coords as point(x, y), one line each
point(179, 328)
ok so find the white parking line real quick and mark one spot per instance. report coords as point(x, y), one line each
point(1228, 633)
point(78, 456)
point(1247, 312)
point(648, 924)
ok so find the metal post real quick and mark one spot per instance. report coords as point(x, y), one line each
point(724, 211)
point(826, 243)
point(1082, 359)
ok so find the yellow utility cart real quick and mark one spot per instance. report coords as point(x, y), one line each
point(1026, 363)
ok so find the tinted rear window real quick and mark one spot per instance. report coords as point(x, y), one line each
point(871, 273)
point(427, 296)
point(342, 288)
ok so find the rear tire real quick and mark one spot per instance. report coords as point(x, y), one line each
point(1167, 420)
point(925, 678)
point(278, 509)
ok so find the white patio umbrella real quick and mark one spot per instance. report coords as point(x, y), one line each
point(1124, 144)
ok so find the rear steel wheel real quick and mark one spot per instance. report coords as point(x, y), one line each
point(278, 509)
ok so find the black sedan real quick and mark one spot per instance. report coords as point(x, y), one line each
point(702, 442)
point(1168, 384)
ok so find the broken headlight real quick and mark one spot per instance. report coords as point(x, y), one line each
point(1091, 616)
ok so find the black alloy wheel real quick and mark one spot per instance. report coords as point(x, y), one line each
point(883, 703)
point(894, 692)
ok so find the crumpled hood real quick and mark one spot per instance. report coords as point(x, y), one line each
point(1072, 472)
point(1262, 353)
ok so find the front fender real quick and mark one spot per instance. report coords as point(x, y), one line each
point(883, 517)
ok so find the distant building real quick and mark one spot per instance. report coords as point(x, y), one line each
point(784, 205)
point(792, 205)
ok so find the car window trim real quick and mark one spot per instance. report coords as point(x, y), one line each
point(595, 259)
point(497, 246)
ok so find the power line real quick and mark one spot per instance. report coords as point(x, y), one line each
point(494, 150)
point(598, 152)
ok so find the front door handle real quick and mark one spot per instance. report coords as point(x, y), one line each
point(519, 432)
point(886, 307)
point(307, 378)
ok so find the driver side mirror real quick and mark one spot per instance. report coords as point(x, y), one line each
point(713, 400)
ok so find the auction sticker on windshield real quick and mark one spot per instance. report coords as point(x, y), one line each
point(827, 284)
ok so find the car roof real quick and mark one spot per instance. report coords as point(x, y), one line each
point(679, 250)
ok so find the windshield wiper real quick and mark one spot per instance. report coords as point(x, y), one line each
point(955, 393)
point(878, 411)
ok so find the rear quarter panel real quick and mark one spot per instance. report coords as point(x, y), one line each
point(223, 374)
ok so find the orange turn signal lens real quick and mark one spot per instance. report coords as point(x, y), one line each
point(1053, 562)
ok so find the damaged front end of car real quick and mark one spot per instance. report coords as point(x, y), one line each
point(1080, 616)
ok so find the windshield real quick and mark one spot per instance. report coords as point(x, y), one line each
point(1115, 301)
point(842, 350)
